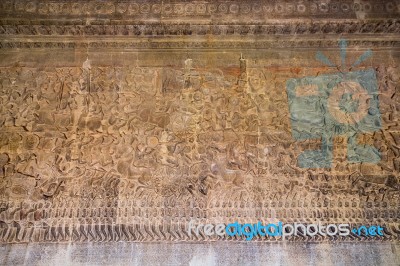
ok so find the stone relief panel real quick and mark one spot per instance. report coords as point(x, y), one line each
point(133, 153)
point(181, 9)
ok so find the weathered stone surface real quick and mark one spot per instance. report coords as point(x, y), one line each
point(124, 120)
point(216, 253)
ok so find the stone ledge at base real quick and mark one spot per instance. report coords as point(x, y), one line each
point(212, 253)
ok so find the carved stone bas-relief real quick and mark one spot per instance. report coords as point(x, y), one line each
point(125, 120)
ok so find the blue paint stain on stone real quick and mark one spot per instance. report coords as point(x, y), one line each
point(311, 117)
point(348, 104)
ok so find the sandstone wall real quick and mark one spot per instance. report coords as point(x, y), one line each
point(122, 121)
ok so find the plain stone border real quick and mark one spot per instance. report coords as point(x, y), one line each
point(211, 253)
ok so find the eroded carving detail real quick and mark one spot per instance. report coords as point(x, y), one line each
point(134, 153)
